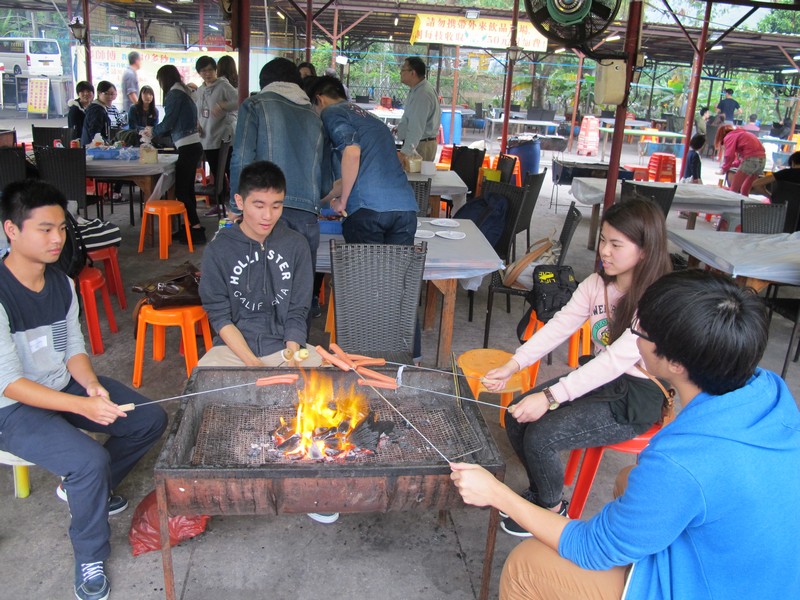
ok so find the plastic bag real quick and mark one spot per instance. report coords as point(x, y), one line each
point(145, 535)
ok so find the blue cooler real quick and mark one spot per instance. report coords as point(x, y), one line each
point(528, 151)
point(446, 116)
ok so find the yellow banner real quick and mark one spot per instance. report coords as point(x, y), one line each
point(38, 96)
point(475, 33)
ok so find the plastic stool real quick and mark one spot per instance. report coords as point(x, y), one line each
point(640, 172)
point(112, 273)
point(591, 463)
point(22, 482)
point(164, 209)
point(185, 317)
point(90, 280)
point(476, 363)
point(581, 339)
point(661, 167)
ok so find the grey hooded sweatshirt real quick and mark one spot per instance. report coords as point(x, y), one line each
point(265, 291)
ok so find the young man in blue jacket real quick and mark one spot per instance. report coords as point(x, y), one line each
point(49, 390)
point(710, 511)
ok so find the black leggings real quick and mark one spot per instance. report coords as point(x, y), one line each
point(185, 171)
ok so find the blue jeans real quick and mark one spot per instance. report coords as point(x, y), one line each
point(306, 224)
point(52, 440)
point(366, 226)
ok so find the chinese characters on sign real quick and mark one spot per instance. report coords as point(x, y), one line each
point(474, 33)
point(38, 96)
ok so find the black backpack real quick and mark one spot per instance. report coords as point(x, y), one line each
point(73, 255)
point(488, 213)
point(552, 289)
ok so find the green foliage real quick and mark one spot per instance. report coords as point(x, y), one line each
point(780, 21)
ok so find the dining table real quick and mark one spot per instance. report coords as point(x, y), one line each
point(689, 197)
point(444, 183)
point(518, 123)
point(447, 262)
point(154, 179)
point(660, 134)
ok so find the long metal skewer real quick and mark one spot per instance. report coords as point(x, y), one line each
point(460, 398)
point(388, 362)
point(222, 389)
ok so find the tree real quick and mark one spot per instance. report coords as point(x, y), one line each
point(780, 21)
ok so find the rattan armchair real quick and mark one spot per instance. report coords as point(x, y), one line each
point(65, 168)
point(376, 291)
point(12, 165)
point(662, 196)
point(422, 192)
point(762, 218)
point(533, 185)
point(44, 137)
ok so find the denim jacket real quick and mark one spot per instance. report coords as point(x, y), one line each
point(180, 116)
point(282, 127)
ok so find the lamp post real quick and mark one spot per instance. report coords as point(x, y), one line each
point(80, 31)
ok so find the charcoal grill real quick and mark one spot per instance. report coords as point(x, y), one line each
point(208, 464)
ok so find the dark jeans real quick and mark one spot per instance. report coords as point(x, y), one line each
point(577, 424)
point(306, 224)
point(212, 158)
point(52, 440)
point(367, 226)
point(185, 171)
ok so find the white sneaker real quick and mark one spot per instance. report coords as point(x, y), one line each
point(326, 518)
point(116, 504)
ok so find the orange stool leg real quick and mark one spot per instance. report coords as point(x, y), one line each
point(189, 345)
point(572, 466)
point(591, 462)
point(164, 235)
point(188, 229)
point(159, 342)
point(92, 318)
point(112, 321)
point(138, 357)
point(143, 231)
point(206, 327)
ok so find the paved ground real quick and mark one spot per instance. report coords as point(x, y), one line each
point(392, 556)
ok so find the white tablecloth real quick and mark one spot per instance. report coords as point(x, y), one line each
point(472, 256)
point(773, 257)
point(688, 196)
point(165, 167)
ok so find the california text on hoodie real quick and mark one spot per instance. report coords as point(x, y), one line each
point(264, 290)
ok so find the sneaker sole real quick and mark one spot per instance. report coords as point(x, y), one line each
point(519, 534)
point(325, 519)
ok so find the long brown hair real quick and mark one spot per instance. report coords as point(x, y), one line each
point(642, 222)
point(226, 67)
point(167, 76)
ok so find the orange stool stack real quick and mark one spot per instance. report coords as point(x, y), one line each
point(185, 317)
point(445, 157)
point(591, 463)
point(89, 281)
point(476, 363)
point(164, 209)
point(661, 167)
point(111, 267)
point(640, 172)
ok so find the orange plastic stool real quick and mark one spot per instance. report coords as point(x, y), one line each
point(591, 463)
point(90, 280)
point(580, 340)
point(476, 363)
point(445, 157)
point(164, 209)
point(111, 268)
point(639, 172)
point(661, 167)
point(185, 317)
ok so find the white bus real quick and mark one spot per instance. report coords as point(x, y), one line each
point(31, 56)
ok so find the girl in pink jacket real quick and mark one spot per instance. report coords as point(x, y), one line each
point(608, 399)
point(742, 150)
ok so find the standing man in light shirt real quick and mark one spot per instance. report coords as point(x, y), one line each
point(130, 81)
point(420, 123)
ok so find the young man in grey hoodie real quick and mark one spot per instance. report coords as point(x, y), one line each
point(257, 280)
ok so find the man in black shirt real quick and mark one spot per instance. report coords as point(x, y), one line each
point(790, 175)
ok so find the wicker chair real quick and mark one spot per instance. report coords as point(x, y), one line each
point(533, 185)
point(65, 168)
point(762, 218)
point(45, 136)
point(467, 162)
point(422, 192)
point(496, 286)
point(662, 196)
point(377, 320)
point(516, 198)
point(12, 165)
point(506, 164)
point(785, 192)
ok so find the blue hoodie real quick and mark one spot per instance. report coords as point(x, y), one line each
point(711, 510)
point(264, 290)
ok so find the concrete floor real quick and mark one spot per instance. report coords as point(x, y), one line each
point(363, 556)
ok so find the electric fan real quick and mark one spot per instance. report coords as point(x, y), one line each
point(571, 23)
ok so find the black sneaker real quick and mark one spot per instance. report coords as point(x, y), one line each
point(511, 527)
point(198, 237)
point(316, 310)
point(527, 494)
point(179, 236)
point(116, 504)
point(91, 582)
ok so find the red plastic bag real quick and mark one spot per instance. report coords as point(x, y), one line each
point(145, 534)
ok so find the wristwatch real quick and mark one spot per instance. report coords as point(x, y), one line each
point(551, 399)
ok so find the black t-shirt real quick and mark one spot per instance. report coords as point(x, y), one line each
point(728, 106)
point(789, 175)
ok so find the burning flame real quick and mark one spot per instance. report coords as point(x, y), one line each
point(324, 420)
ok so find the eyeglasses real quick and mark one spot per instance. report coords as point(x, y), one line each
point(635, 331)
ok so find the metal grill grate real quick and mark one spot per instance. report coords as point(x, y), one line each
point(239, 435)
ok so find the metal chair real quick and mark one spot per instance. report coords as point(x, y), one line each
point(65, 168)
point(45, 136)
point(377, 320)
point(216, 190)
point(422, 192)
point(533, 185)
point(661, 196)
point(762, 218)
point(12, 165)
point(496, 286)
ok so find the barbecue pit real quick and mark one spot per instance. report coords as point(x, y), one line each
point(209, 465)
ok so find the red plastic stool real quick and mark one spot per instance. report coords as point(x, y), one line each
point(661, 167)
point(185, 317)
point(111, 268)
point(591, 463)
point(164, 209)
point(639, 172)
point(90, 280)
